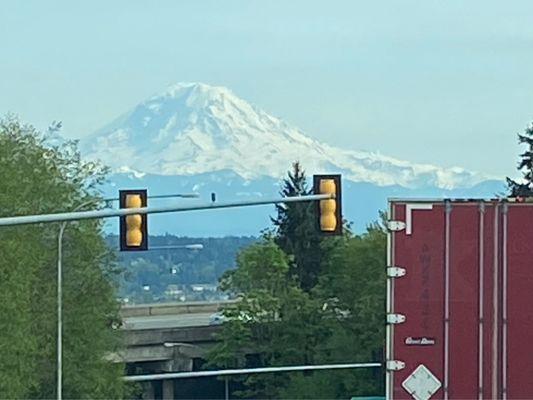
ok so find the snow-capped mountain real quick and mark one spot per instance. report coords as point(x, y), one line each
point(198, 138)
point(193, 128)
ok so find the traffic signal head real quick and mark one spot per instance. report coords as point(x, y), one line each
point(133, 228)
point(329, 211)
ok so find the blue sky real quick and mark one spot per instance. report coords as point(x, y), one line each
point(448, 82)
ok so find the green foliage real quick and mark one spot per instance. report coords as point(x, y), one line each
point(260, 267)
point(353, 293)
point(279, 321)
point(525, 188)
point(268, 319)
point(355, 283)
point(40, 178)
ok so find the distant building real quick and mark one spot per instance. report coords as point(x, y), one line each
point(173, 291)
point(204, 287)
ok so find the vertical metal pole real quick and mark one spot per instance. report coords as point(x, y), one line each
point(226, 385)
point(60, 311)
point(495, 311)
point(389, 382)
point(448, 211)
point(505, 209)
point(481, 297)
point(60, 299)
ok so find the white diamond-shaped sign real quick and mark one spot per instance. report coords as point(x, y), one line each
point(421, 384)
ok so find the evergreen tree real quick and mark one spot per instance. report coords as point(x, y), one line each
point(37, 177)
point(525, 188)
point(296, 233)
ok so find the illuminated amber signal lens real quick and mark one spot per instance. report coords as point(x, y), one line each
point(328, 208)
point(133, 201)
point(134, 234)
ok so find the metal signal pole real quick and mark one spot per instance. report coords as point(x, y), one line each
point(62, 227)
point(95, 214)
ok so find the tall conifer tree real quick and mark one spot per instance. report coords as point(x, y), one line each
point(524, 188)
point(296, 233)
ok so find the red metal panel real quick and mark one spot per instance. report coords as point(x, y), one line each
point(490, 256)
point(464, 301)
point(419, 295)
point(519, 302)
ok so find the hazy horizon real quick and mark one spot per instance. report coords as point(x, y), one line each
point(429, 82)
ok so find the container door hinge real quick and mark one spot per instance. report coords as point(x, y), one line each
point(396, 272)
point(395, 365)
point(395, 318)
point(395, 226)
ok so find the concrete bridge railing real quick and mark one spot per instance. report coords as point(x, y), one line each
point(145, 310)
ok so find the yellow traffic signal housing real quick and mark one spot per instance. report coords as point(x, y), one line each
point(133, 228)
point(329, 211)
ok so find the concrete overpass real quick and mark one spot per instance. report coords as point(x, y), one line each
point(170, 337)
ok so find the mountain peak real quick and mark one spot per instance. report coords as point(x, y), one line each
point(196, 90)
point(192, 128)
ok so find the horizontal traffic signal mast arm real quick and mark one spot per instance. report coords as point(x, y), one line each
point(74, 216)
point(246, 371)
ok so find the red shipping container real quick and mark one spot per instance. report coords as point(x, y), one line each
point(460, 288)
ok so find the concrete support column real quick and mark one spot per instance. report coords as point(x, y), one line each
point(168, 389)
point(148, 391)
